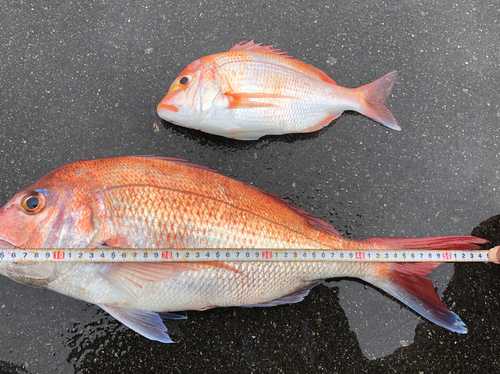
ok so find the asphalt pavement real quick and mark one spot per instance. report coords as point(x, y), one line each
point(81, 80)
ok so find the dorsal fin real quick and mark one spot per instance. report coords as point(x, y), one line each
point(320, 74)
point(313, 221)
point(178, 161)
point(316, 222)
point(253, 47)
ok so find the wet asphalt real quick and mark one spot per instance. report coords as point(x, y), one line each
point(82, 79)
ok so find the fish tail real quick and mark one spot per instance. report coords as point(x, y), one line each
point(433, 243)
point(373, 103)
point(410, 283)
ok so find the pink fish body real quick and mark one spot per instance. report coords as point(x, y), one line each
point(251, 91)
point(146, 202)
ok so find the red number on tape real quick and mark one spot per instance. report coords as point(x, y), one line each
point(58, 255)
point(360, 255)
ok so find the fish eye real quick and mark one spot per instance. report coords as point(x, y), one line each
point(183, 81)
point(33, 203)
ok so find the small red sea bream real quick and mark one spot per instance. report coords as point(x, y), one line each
point(154, 202)
point(253, 90)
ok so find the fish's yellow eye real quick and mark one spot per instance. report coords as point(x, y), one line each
point(183, 82)
point(33, 203)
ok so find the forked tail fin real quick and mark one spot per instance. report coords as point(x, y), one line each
point(410, 283)
point(375, 94)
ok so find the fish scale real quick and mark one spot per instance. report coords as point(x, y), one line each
point(252, 90)
point(258, 75)
point(207, 209)
point(162, 204)
point(223, 288)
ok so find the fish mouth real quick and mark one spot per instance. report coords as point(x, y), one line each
point(173, 108)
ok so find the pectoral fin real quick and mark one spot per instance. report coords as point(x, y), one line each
point(130, 276)
point(148, 324)
point(246, 100)
point(118, 241)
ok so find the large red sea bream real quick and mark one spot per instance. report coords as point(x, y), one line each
point(152, 202)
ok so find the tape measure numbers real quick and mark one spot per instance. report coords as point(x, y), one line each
point(264, 255)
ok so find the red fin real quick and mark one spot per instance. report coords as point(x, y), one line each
point(244, 100)
point(410, 284)
point(320, 74)
point(373, 105)
point(253, 47)
point(313, 221)
point(436, 243)
point(324, 122)
point(177, 161)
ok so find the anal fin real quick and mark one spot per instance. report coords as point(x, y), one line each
point(148, 324)
point(171, 316)
point(295, 297)
point(322, 123)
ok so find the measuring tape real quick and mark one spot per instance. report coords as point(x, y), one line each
point(263, 255)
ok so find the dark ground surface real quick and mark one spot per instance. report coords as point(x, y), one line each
point(82, 79)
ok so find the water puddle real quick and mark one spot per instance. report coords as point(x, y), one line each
point(381, 323)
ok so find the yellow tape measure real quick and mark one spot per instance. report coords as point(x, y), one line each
point(263, 255)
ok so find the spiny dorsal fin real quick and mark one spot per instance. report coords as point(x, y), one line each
point(253, 47)
point(178, 161)
point(316, 222)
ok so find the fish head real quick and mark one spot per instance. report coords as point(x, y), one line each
point(191, 96)
point(21, 217)
point(54, 212)
point(22, 225)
